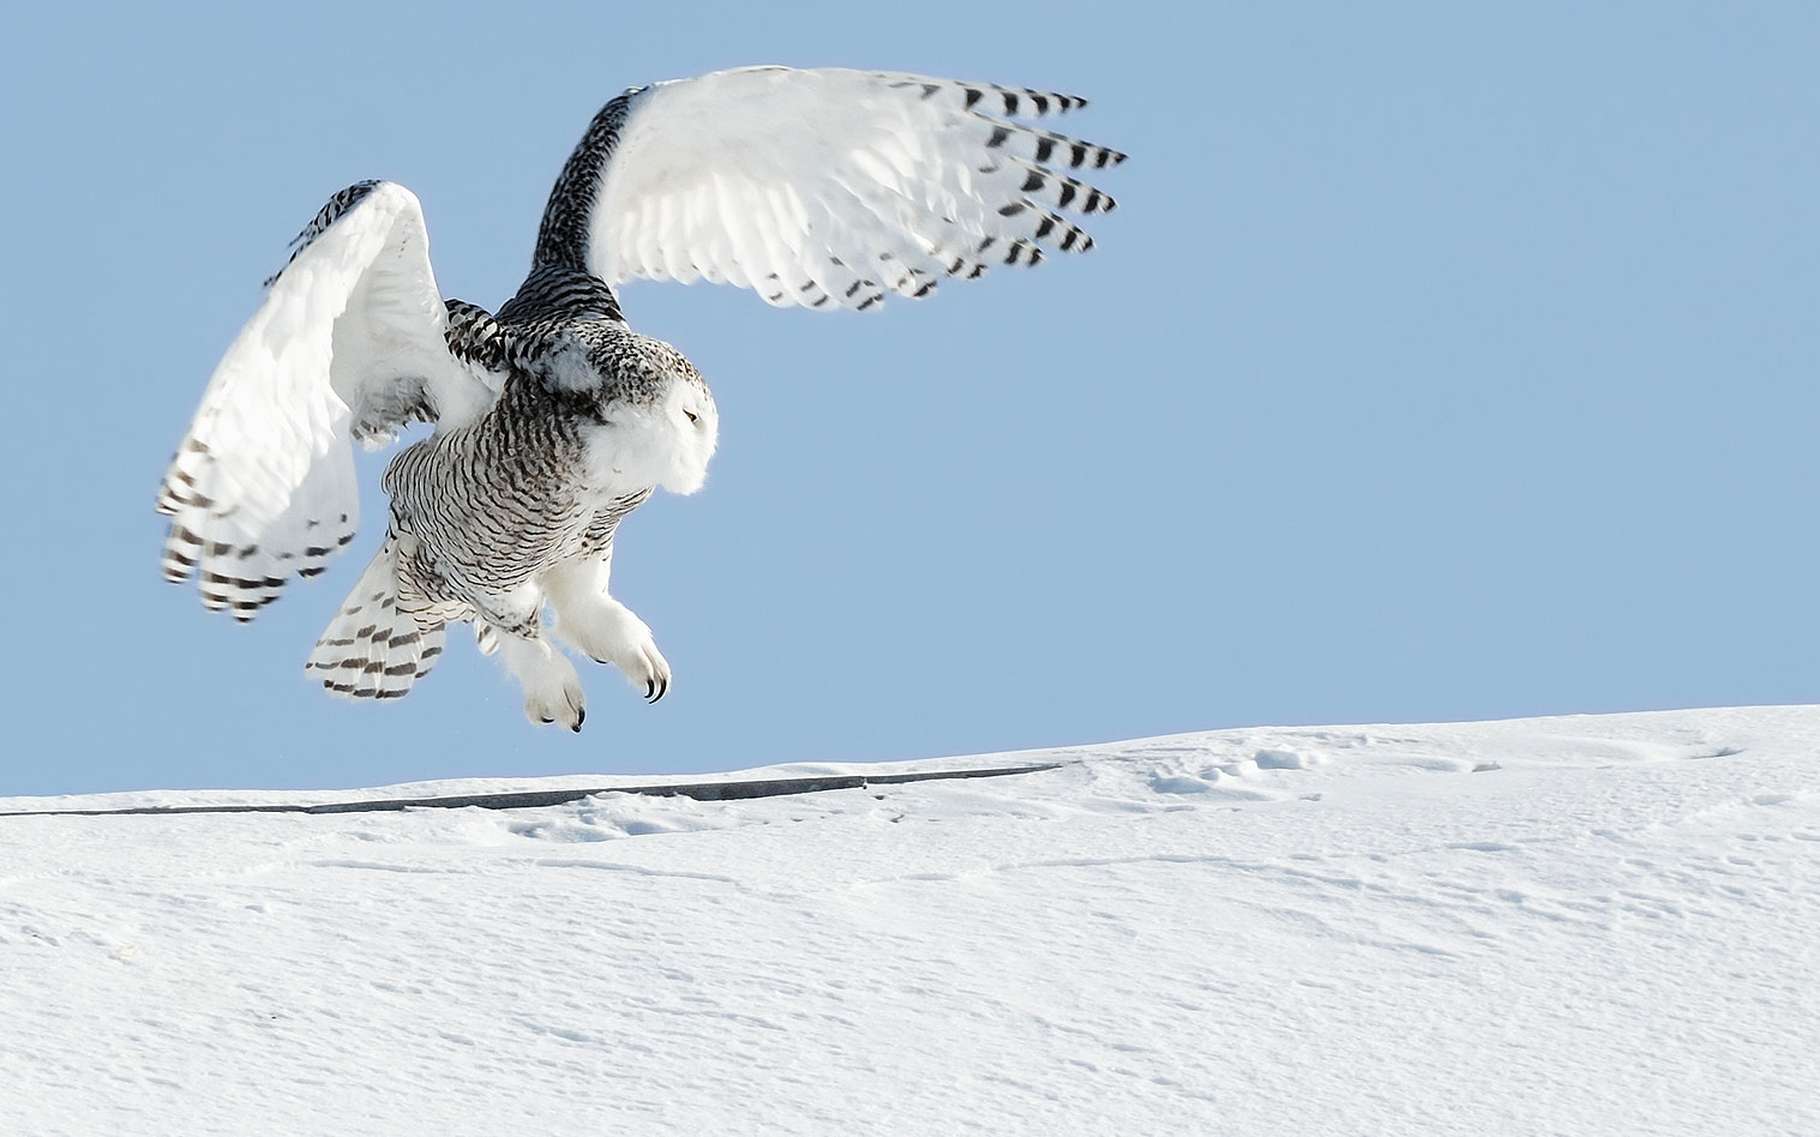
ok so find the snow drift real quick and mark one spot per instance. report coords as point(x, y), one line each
point(1589, 925)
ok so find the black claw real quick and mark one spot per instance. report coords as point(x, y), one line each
point(581, 715)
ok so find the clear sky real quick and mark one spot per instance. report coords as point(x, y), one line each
point(1441, 362)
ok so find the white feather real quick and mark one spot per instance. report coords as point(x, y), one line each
point(263, 483)
point(829, 188)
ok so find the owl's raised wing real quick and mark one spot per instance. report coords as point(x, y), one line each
point(821, 188)
point(352, 341)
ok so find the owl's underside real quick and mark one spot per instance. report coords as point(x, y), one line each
point(553, 419)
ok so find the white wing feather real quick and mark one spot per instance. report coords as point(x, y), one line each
point(349, 338)
point(829, 188)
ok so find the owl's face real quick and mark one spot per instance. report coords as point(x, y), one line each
point(688, 411)
point(663, 436)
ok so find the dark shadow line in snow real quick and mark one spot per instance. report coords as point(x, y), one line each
point(536, 799)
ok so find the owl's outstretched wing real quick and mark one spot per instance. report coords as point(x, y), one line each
point(821, 188)
point(352, 341)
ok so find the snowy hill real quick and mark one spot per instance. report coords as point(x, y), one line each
point(1601, 925)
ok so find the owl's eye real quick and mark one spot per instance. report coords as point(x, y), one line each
point(693, 417)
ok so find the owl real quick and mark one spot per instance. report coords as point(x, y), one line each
point(552, 418)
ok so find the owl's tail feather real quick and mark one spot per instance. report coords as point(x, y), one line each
point(374, 648)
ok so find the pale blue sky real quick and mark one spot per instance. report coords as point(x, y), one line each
point(1442, 362)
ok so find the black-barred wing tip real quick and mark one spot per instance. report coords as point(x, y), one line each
point(826, 189)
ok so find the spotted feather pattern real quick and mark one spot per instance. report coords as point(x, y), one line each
point(822, 189)
point(384, 638)
point(332, 211)
point(239, 571)
point(351, 343)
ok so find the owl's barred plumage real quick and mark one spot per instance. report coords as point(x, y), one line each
point(553, 419)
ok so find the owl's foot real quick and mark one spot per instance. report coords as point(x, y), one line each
point(606, 631)
point(552, 688)
point(646, 665)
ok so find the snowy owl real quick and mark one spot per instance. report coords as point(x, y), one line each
point(553, 419)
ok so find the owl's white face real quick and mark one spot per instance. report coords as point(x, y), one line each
point(667, 443)
point(694, 420)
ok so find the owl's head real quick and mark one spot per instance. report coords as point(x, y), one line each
point(685, 425)
point(649, 419)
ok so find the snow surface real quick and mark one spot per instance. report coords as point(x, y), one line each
point(1578, 925)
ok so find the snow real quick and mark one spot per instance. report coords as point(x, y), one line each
point(1571, 925)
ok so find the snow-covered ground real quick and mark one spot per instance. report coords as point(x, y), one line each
point(1590, 925)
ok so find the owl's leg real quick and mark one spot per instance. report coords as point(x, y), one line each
point(551, 686)
point(602, 628)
